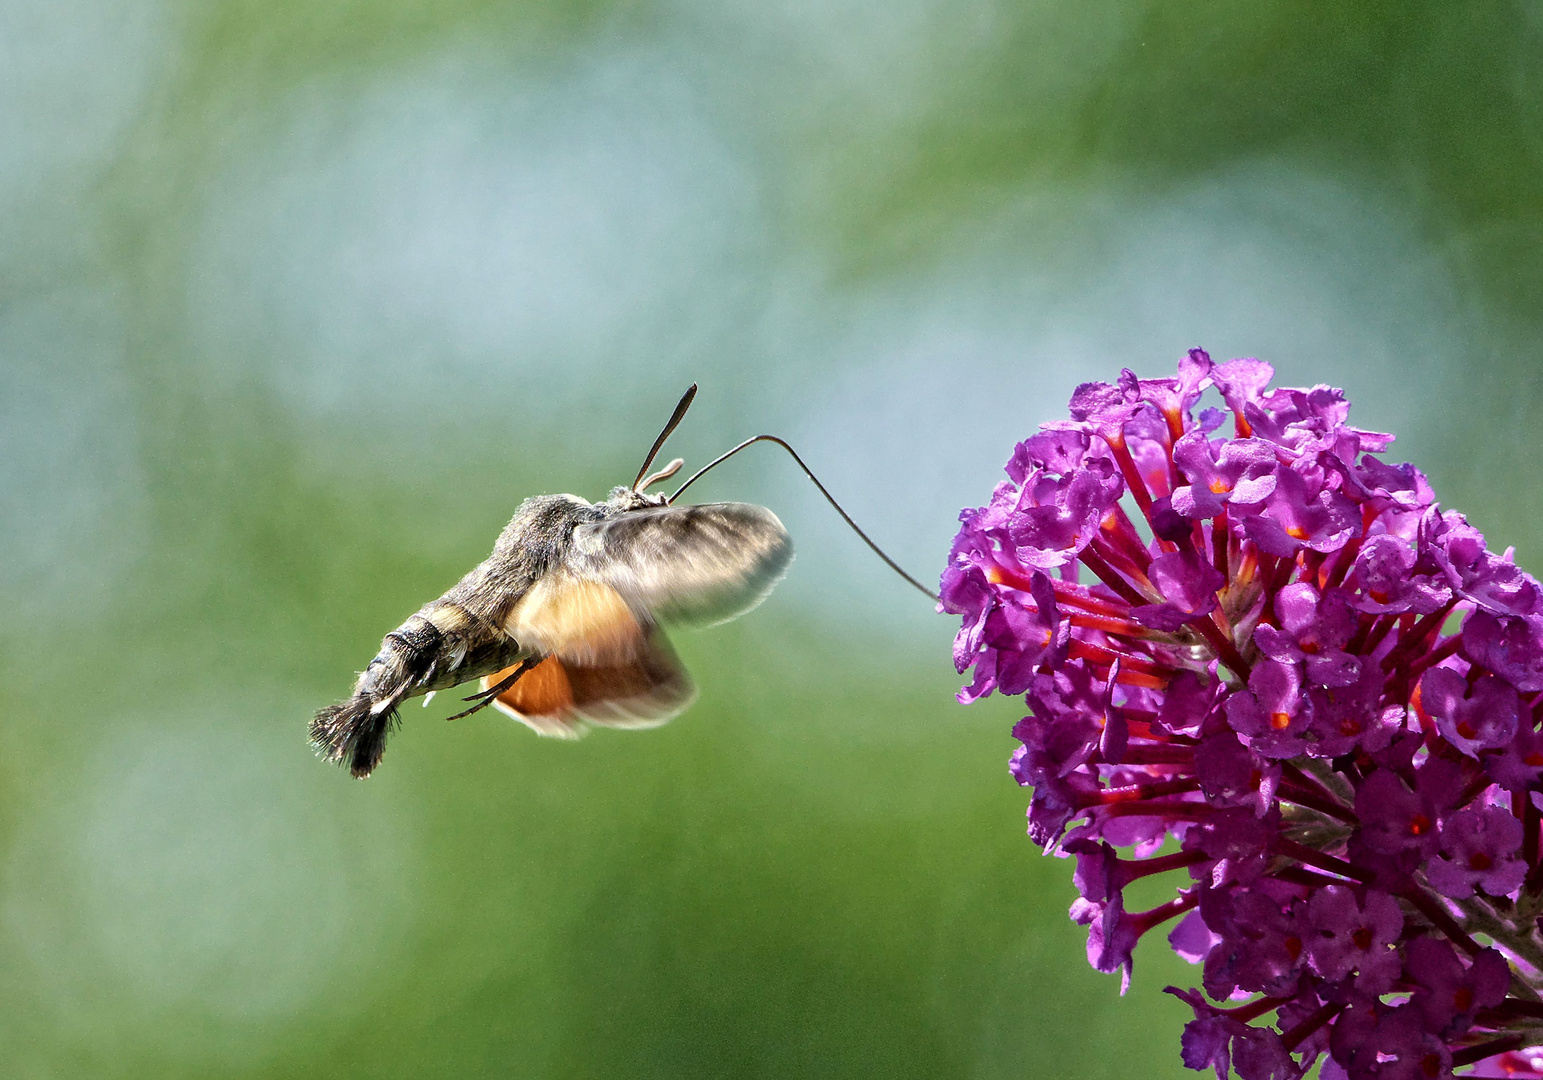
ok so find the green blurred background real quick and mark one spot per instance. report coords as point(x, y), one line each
point(299, 299)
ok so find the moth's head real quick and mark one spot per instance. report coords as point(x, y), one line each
point(636, 497)
point(626, 498)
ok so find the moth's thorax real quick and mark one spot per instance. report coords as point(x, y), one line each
point(541, 527)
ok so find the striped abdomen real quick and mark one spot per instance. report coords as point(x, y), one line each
point(440, 646)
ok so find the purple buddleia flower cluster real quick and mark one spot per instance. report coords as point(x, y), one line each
point(1267, 664)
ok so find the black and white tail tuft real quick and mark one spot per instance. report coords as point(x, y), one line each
point(353, 733)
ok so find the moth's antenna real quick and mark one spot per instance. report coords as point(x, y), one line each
point(721, 458)
point(675, 418)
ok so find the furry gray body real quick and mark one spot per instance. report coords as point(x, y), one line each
point(692, 563)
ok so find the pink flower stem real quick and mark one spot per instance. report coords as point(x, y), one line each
point(1380, 630)
point(1310, 562)
point(1345, 558)
point(1471, 1054)
point(1357, 644)
point(1077, 596)
point(1435, 656)
point(1509, 1009)
point(1254, 1009)
point(1247, 564)
point(1124, 537)
point(1086, 650)
point(1175, 420)
point(1141, 792)
point(1311, 1023)
point(1431, 908)
point(1332, 807)
point(1301, 875)
point(1414, 640)
point(1533, 883)
point(1171, 808)
point(1219, 538)
point(1106, 573)
point(1121, 563)
point(1303, 779)
point(1530, 823)
point(1158, 755)
point(1135, 869)
point(1121, 627)
point(1475, 787)
point(1226, 651)
point(1146, 920)
point(1133, 481)
point(1280, 576)
point(1322, 860)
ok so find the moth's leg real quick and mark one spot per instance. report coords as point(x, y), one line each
point(486, 697)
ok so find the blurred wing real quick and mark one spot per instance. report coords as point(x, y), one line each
point(559, 698)
point(577, 620)
point(697, 564)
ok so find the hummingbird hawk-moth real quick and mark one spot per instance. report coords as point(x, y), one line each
point(562, 622)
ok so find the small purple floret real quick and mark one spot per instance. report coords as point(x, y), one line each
point(1241, 472)
point(1480, 849)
